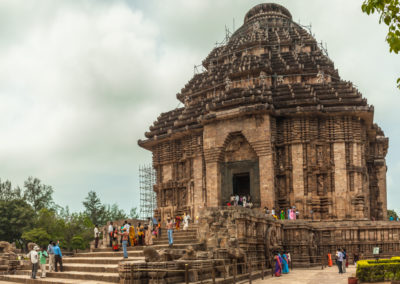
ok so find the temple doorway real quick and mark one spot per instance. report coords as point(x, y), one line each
point(241, 184)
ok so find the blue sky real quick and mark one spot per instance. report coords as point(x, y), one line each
point(81, 81)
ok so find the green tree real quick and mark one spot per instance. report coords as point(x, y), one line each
point(95, 209)
point(7, 193)
point(133, 213)
point(78, 243)
point(16, 216)
point(113, 212)
point(37, 194)
point(38, 235)
point(77, 224)
point(389, 11)
point(392, 213)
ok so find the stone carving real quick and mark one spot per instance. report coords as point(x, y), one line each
point(279, 80)
point(228, 84)
point(6, 247)
point(321, 77)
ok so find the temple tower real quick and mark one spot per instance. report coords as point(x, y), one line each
point(270, 118)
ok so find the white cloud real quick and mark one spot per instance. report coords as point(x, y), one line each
point(81, 81)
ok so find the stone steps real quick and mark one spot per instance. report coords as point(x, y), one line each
point(99, 260)
point(101, 265)
point(87, 267)
point(132, 253)
point(26, 279)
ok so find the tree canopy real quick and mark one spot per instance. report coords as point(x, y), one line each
point(389, 11)
point(31, 215)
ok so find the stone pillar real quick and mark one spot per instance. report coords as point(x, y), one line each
point(339, 152)
point(381, 176)
point(357, 162)
point(213, 181)
point(198, 198)
point(298, 177)
point(267, 187)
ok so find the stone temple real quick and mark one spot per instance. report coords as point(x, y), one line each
point(270, 117)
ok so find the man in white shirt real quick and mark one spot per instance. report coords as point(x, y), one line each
point(96, 236)
point(34, 257)
point(110, 232)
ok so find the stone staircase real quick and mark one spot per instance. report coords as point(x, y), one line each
point(100, 265)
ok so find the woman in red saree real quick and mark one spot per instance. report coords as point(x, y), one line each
point(278, 266)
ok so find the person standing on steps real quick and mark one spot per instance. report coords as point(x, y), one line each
point(125, 236)
point(170, 230)
point(34, 257)
point(96, 236)
point(58, 257)
point(50, 252)
point(110, 233)
point(42, 260)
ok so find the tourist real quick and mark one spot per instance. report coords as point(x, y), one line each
point(339, 260)
point(178, 220)
point(278, 266)
point(344, 261)
point(232, 200)
point(170, 230)
point(140, 234)
point(50, 252)
point(273, 212)
point(155, 227)
point(289, 258)
point(292, 214)
point(391, 218)
point(186, 220)
point(266, 211)
point(126, 225)
point(149, 234)
point(110, 232)
point(282, 215)
point(132, 237)
point(244, 200)
point(58, 257)
point(125, 237)
point(159, 228)
point(115, 236)
point(42, 260)
point(288, 213)
point(96, 236)
point(285, 264)
point(297, 214)
point(34, 257)
point(236, 200)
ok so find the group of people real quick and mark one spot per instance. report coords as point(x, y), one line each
point(342, 260)
point(282, 261)
point(290, 213)
point(142, 234)
point(38, 257)
point(237, 200)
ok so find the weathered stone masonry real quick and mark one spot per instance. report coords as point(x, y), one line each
point(271, 107)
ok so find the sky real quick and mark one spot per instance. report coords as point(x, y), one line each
point(81, 81)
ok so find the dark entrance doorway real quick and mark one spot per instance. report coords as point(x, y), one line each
point(241, 184)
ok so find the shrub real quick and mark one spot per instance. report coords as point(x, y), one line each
point(377, 271)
